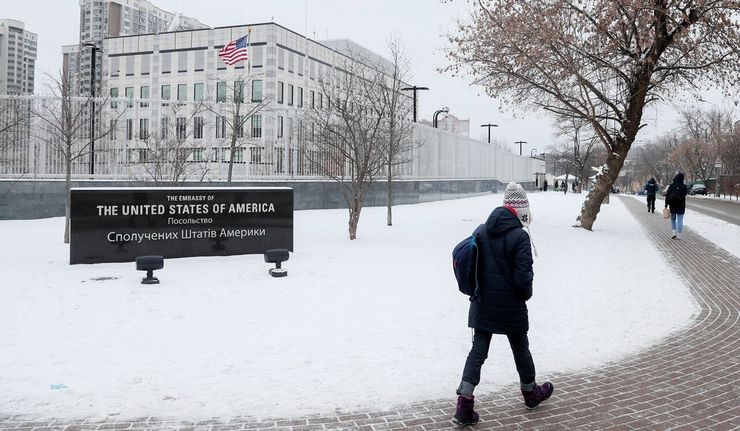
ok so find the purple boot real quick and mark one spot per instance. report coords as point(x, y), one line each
point(464, 413)
point(540, 393)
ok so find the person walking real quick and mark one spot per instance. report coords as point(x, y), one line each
point(675, 198)
point(651, 187)
point(544, 186)
point(505, 284)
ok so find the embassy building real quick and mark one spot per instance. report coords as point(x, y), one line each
point(169, 75)
point(165, 77)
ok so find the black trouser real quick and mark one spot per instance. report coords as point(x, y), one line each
point(479, 352)
point(651, 202)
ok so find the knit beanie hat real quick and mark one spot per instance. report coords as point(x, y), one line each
point(515, 197)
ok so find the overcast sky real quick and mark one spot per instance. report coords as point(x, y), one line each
point(419, 24)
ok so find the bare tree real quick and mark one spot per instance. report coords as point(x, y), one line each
point(654, 157)
point(599, 61)
point(347, 134)
point(699, 151)
point(729, 147)
point(66, 128)
point(235, 111)
point(578, 151)
point(169, 153)
point(398, 107)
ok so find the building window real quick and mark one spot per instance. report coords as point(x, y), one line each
point(166, 60)
point(198, 154)
point(220, 127)
point(164, 128)
point(114, 96)
point(255, 154)
point(113, 130)
point(321, 101)
point(129, 129)
point(257, 90)
point(221, 91)
point(165, 95)
point(198, 91)
point(200, 58)
point(239, 91)
point(239, 126)
point(256, 126)
point(300, 97)
point(181, 128)
point(290, 94)
point(280, 92)
point(142, 155)
point(198, 127)
point(130, 96)
point(279, 126)
point(279, 156)
point(239, 155)
point(144, 96)
point(291, 62)
point(145, 59)
point(182, 62)
point(143, 129)
point(281, 58)
point(182, 92)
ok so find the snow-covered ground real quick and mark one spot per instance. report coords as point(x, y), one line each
point(357, 324)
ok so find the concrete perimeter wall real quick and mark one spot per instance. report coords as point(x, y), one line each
point(40, 199)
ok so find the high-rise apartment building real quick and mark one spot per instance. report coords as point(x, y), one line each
point(17, 58)
point(111, 18)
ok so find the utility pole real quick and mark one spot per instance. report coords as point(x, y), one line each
point(414, 89)
point(489, 130)
point(520, 146)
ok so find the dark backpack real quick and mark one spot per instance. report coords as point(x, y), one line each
point(465, 265)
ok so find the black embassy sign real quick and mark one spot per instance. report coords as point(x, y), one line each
point(116, 225)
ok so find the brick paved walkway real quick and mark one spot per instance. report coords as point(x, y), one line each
point(690, 381)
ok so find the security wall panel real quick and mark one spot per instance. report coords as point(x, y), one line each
point(117, 225)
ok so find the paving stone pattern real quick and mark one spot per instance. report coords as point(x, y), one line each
point(689, 381)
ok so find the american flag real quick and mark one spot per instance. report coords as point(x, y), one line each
point(234, 51)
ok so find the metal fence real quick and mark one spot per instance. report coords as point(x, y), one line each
point(162, 140)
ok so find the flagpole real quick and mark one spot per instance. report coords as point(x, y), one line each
point(249, 42)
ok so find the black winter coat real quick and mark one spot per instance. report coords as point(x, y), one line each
point(504, 274)
point(675, 196)
point(651, 187)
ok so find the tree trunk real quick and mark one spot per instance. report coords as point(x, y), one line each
point(601, 189)
point(231, 156)
point(354, 216)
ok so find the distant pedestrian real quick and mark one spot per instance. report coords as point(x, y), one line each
point(651, 187)
point(556, 185)
point(505, 277)
point(544, 186)
point(675, 198)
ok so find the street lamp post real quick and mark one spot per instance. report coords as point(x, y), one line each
point(414, 89)
point(489, 130)
point(520, 146)
point(436, 113)
point(93, 50)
